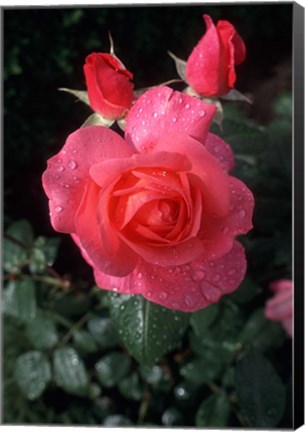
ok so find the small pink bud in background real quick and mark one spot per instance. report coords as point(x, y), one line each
point(280, 306)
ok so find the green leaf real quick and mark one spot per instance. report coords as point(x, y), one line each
point(245, 292)
point(234, 95)
point(202, 370)
point(214, 411)
point(42, 333)
point(69, 371)
point(131, 387)
point(71, 305)
point(84, 341)
point(16, 254)
point(148, 330)
point(43, 253)
point(260, 391)
point(201, 319)
point(82, 95)
point(261, 333)
point(103, 332)
point(112, 368)
point(19, 300)
point(32, 373)
point(97, 120)
point(180, 65)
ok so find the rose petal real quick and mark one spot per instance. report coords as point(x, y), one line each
point(108, 254)
point(162, 110)
point(186, 288)
point(282, 285)
point(209, 175)
point(101, 172)
point(279, 307)
point(221, 150)
point(67, 174)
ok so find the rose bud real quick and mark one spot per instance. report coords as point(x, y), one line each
point(280, 306)
point(110, 90)
point(210, 69)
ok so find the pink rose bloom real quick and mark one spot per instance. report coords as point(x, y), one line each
point(110, 90)
point(155, 214)
point(280, 306)
point(210, 69)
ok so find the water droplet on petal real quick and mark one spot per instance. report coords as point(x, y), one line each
point(60, 168)
point(139, 276)
point(225, 230)
point(155, 115)
point(72, 164)
point(198, 275)
point(174, 119)
point(58, 209)
point(242, 213)
point(201, 113)
point(163, 295)
point(187, 106)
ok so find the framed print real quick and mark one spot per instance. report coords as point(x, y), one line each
point(153, 211)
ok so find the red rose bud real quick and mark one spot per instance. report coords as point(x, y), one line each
point(210, 69)
point(110, 90)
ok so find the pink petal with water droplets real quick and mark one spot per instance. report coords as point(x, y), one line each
point(187, 287)
point(162, 110)
point(221, 150)
point(67, 174)
point(218, 232)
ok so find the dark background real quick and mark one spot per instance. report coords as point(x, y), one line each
point(44, 49)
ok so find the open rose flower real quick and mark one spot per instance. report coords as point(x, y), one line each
point(110, 90)
point(210, 69)
point(155, 214)
point(280, 306)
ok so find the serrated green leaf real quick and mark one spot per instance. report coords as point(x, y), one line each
point(32, 373)
point(214, 411)
point(69, 371)
point(201, 319)
point(131, 387)
point(19, 300)
point(103, 332)
point(148, 330)
point(15, 254)
point(260, 333)
point(112, 368)
point(42, 332)
point(84, 341)
point(260, 391)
